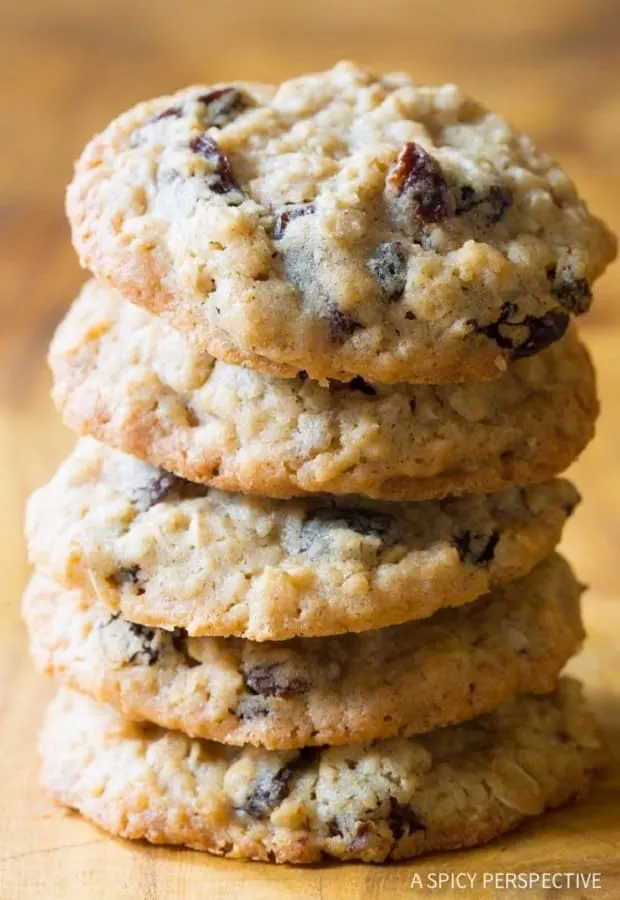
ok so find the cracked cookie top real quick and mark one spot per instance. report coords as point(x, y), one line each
point(342, 223)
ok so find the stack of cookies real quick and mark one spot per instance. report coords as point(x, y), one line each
point(298, 577)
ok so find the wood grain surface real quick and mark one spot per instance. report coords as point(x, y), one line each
point(66, 67)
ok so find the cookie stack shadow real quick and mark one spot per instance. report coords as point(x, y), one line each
point(297, 614)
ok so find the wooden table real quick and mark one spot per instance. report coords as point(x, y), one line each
point(68, 66)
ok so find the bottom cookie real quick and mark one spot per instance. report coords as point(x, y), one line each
point(455, 787)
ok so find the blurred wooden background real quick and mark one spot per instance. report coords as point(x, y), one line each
point(67, 67)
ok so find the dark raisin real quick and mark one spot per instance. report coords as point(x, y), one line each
point(273, 680)
point(178, 637)
point(341, 325)
point(148, 638)
point(269, 791)
point(303, 375)
point(388, 266)
point(287, 214)
point(402, 819)
point(222, 181)
point(334, 829)
point(574, 294)
point(303, 264)
point(127, 575)
point(223, 105)
point(189, 490)
point(541, 331)
point(488, 205)
point(475, 548)
point(419, 183)
point(466, 199)
point(154, 491)
point(252, 707)
point(358, 384)
point(498, 199)
point(173, 112)
point(493, 331)
point(364, 522)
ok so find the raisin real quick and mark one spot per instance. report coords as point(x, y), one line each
point(272, 680)
point(222, 181)
point(223, 105)
point(173, 112)
point(419, 183)
point(287, 214)
point(466, 199)
point(341, 325)
point(550, 272)
point(154, 491)
point(303, 375)
point(574, 294)
point(388, 266)
point(402, 819)
point(358, 384)
point(492, 330)
point(147, 638)
point(542, 331)
point(334, 828)
point(303, 266)
point(189, 490)
point(178, 637)
point(270, 790)
point(364, 522)
point(476, 549)
point(252, 707)
point(488, 206)
point(127, 575)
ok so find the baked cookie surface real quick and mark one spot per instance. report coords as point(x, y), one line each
point(395, 681)
point(123, 376)
point(343, 224)
point(455, 787)
point(167, 552)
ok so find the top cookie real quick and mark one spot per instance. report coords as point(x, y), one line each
point(342, 224)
